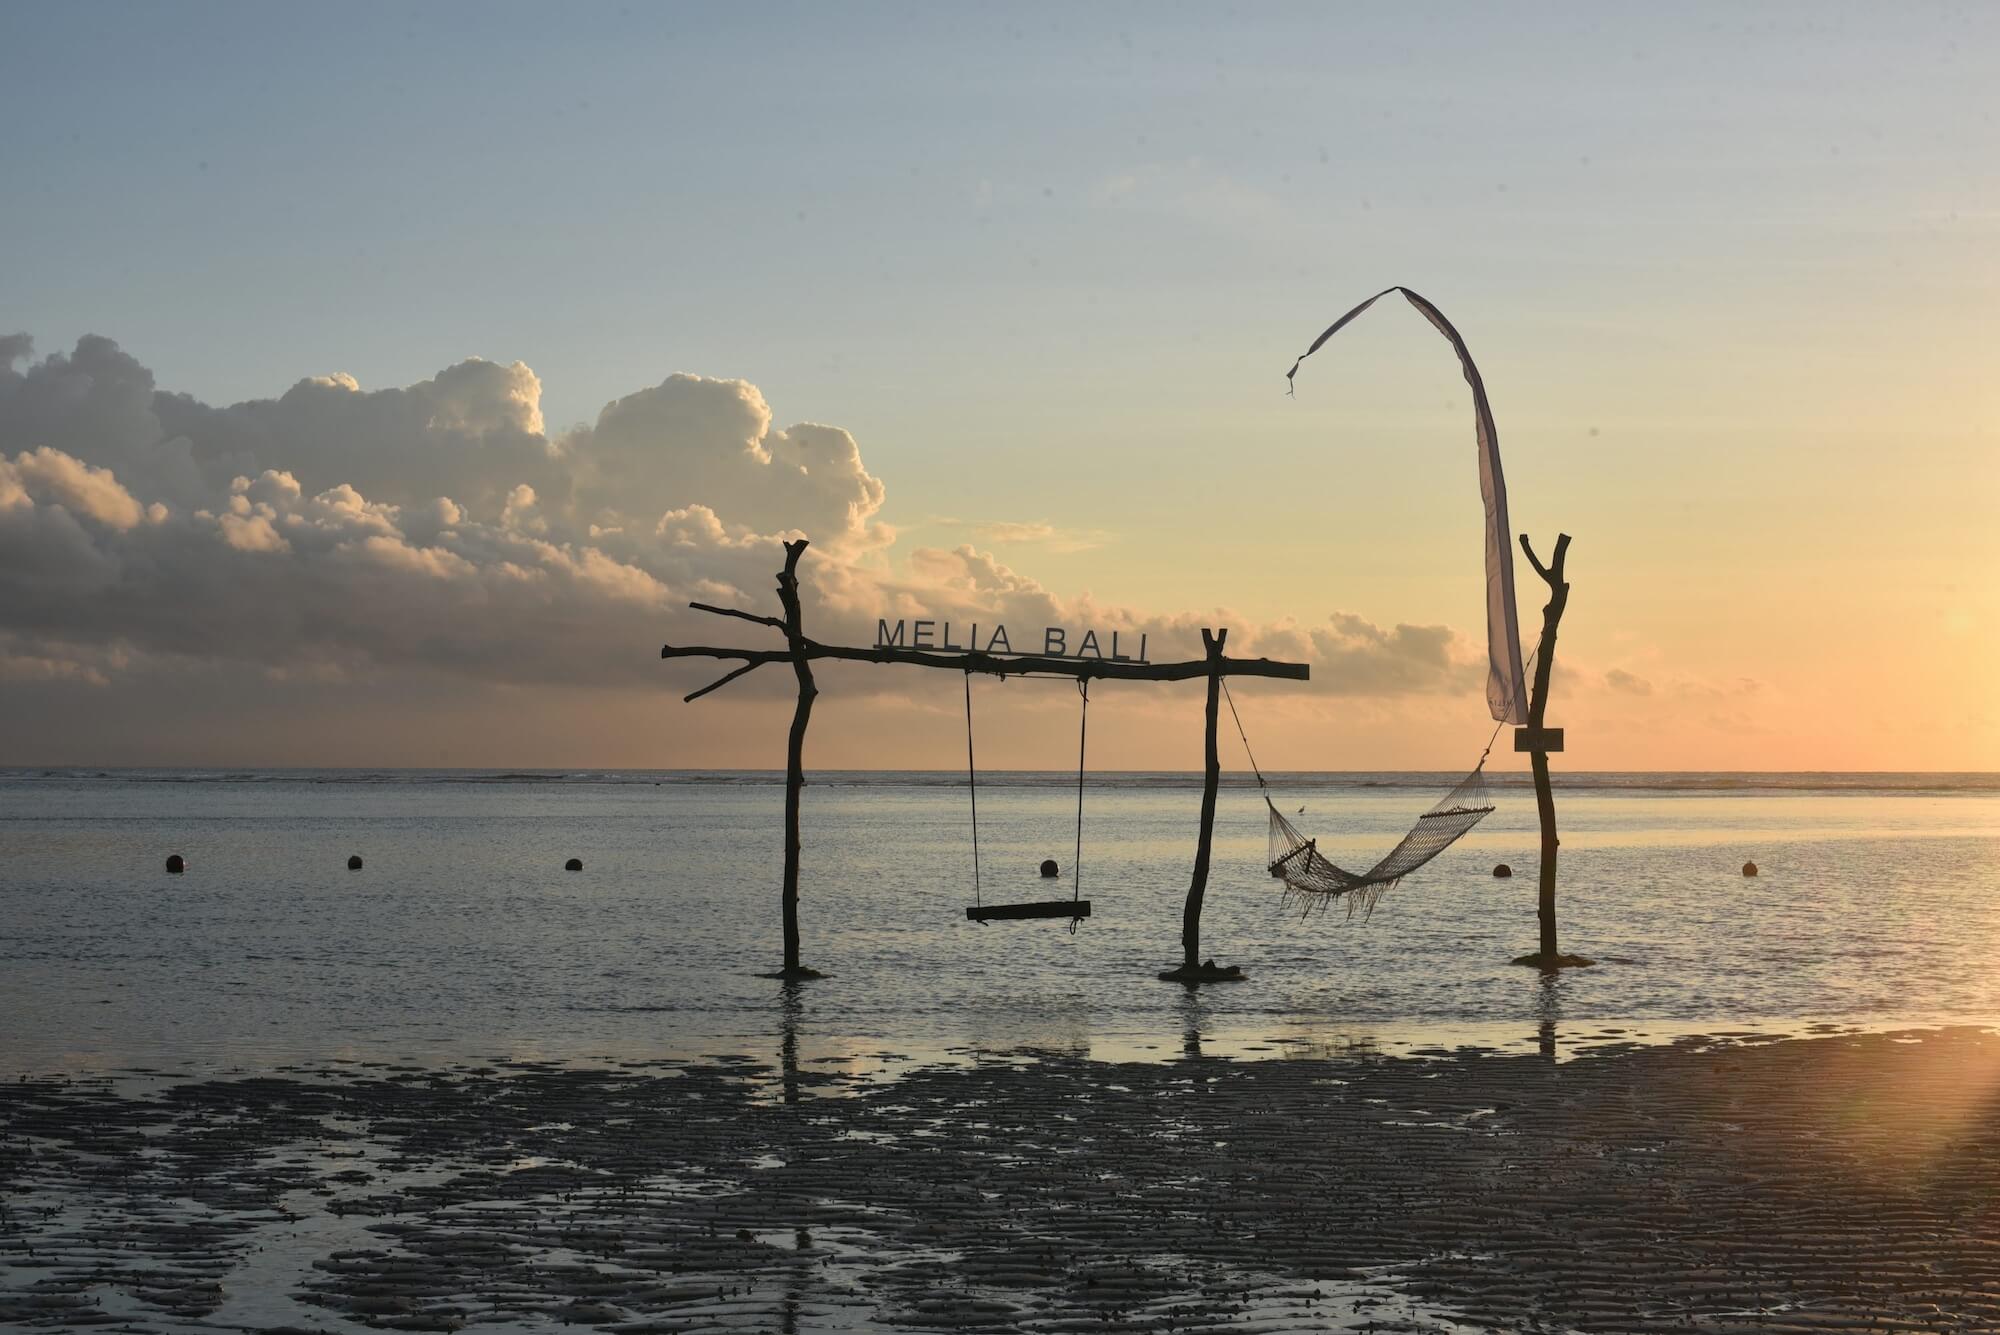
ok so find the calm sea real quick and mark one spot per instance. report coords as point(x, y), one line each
point(463, 937)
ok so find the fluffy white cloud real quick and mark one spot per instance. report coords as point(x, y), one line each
point(432, 526)
point(52, 476)
point(336, 533)
point(756, 478)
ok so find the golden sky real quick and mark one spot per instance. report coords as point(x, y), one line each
point(402, 423)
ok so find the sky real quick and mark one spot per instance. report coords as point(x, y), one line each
point(995, 305)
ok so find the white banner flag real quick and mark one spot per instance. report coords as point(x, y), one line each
point(1506, 693)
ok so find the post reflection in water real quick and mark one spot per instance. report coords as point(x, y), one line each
point(1194, 1015)
point(1548, 1009)
point(791, 1009)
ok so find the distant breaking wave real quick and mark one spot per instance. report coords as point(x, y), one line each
point(1620, 781)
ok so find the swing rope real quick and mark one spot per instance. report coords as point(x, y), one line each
point(1082, 736)
point(972, 787)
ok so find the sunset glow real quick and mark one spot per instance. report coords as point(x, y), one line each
point(1733, 319)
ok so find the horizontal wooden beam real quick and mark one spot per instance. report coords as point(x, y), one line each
point(1538, 739)
point(1013, 665)
point(1105, 669)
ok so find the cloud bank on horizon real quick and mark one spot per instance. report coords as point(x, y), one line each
point(339, 534)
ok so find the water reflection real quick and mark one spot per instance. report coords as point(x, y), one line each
point(791, 1009)
point(1548, 1009)
point(1194, 1016)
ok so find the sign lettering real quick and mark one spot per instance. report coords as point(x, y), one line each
point(1108, 646)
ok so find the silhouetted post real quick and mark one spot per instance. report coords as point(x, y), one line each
point(1192, 969)
point(795, 750)
point(1537, 739)
point(1211, 777)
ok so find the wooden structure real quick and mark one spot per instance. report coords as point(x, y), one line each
point(801, 652)
point(1540, 741)
point(1192, 969)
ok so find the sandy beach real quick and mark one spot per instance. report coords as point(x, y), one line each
point(1841, 1182)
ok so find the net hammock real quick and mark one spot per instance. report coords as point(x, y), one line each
point(1313, 884)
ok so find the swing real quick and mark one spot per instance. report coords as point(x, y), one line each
point(1073, 908)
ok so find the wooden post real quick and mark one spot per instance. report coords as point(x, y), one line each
point(1211, 776)
point(1192, 970)
point(1549, 956)
point(795, 750)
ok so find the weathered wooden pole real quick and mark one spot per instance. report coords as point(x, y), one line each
point(1192, 969)
point(795, 751)
point(1538, 740)
point(1211, 776)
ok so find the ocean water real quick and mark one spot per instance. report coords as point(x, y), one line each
point(462, 938)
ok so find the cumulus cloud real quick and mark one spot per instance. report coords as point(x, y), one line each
point(53, 476)
point(337, 532)
point(758, 478)
point(436, 525)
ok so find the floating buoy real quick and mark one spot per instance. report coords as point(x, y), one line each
point(354, 862)
point(1749, 869)
point(1049, 867)
point(574, 864)
point(176, 863)
point(1502, 870)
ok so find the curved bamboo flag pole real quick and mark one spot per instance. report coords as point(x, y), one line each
point(1506, 698)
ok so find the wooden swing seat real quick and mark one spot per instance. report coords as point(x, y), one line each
point(1042, 908)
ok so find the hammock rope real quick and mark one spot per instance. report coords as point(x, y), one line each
point(1313, 882)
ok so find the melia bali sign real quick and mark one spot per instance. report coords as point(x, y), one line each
point(1056, 641)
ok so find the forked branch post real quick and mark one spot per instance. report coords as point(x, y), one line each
point(1550, 955)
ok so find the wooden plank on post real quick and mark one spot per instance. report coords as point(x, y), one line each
point(1538, 739)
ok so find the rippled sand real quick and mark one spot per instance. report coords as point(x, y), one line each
point(1841, 1183)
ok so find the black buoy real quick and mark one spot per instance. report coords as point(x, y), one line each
point(1049, 867)
point(1749, 869)
point(176, 863)
point(574, 864)
point(354, 862)
point(1502, 870)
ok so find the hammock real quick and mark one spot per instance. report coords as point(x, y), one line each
point(1312, 883)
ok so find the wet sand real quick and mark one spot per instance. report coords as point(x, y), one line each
point(1839, 1183)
